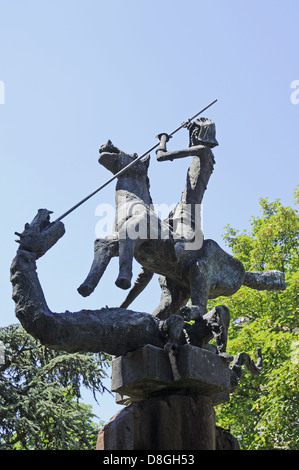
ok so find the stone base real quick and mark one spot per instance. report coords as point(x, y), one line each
point(171, 422)
point(140, 374)
point(171, 400)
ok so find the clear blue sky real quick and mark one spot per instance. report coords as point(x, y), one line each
point(77, 73)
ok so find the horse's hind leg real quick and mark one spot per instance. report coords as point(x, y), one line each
point(104, 250)
point(140, 284)
point(173, 298)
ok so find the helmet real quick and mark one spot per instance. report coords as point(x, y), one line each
point(202, 132)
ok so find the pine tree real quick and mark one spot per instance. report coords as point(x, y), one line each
point(40, 393)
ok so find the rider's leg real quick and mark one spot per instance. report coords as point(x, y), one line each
point(199, 290)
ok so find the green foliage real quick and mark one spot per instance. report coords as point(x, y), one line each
point(263, 412)
point(40, 392)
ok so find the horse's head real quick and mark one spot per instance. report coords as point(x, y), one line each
point(115, 160)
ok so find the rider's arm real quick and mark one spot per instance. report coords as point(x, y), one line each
point(198, 150)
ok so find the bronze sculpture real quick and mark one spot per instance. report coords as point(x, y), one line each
point(203, 273)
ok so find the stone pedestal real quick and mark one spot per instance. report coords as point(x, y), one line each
point(149, 370)
point(169, 400)
point(171, 422)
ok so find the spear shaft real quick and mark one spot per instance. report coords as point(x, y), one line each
point(131, 164)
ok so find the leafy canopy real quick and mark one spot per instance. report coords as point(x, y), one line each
point(263, 412)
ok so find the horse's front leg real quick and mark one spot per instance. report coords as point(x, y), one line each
point(126, 254)
point(133, 230)
point(104, 250)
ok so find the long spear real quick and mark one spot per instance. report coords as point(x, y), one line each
point(132, 163)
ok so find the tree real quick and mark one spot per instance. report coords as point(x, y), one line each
point(263, 412)
point(40, 392)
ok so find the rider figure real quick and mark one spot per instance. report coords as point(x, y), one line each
point(202, 137)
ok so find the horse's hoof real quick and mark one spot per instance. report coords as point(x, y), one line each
point(123, 283)
point(85, 290)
